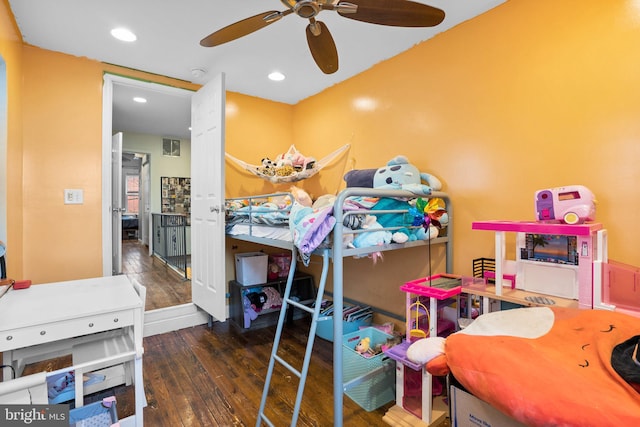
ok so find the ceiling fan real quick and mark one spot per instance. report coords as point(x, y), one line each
point(397, 13)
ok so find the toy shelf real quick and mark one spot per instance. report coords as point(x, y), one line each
point(414, 385)
point(439, 286)
point(591, 248)
point(520, 297)
point(538, 227)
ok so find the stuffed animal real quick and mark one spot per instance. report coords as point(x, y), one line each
point(530, 354)
point(410, 230)
point(398, 174)
point(375, 237)
point(249, 313)
point(301, 196)
point(268, 167)
point(293, 161)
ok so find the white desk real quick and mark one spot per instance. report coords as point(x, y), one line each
point(54, 316)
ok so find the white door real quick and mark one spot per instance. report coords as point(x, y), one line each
point(116, 203)
point(208, 287)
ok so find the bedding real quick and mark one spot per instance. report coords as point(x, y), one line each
point(549, 366)
point(309, 224)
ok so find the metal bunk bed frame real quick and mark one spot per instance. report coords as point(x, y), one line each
point(336, 253)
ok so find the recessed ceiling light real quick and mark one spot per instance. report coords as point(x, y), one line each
point(276, 76)
point(140, 99)
point(123, 34)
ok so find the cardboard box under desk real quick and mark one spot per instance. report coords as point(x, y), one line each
point(469, 411)
point(251, 268)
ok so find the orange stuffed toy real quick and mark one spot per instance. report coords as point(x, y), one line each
point(547, 366)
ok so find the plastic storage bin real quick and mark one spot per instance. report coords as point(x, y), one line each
point(372, 379)
point(251, 268)
point(325, 326)
point(98, 414)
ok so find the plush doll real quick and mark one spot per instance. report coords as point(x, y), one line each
point(398, 174)
point(363, 345)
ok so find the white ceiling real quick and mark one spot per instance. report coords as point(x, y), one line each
point(169, 33)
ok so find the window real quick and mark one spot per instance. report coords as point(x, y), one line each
point(133, 193)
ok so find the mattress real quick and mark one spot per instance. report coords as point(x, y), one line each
point(262, 231)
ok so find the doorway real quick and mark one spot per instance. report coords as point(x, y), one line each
point(187, 311)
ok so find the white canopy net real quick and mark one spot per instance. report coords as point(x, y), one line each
point(291, 166)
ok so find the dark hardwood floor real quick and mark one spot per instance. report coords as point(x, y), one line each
point(214, 376)
point(165, 286)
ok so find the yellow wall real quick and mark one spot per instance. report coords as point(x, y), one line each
point(532, 94)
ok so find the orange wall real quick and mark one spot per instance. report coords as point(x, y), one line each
point(11, 52)
point(532, 94)
point(254, 128)
point(58, 145)
point(62, 113)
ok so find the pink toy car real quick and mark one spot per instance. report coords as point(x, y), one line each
point(573, 204)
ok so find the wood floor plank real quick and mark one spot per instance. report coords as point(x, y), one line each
point(214, 376)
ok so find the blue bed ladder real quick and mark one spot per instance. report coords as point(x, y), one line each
point(315, 311)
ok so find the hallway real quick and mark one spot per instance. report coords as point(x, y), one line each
point(165, 287)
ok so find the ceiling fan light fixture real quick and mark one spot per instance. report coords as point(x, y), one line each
point(276, 76)
point(123, 34)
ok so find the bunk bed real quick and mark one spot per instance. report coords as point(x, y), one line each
point(332, 249)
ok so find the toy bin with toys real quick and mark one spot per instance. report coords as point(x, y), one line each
point(354, 318)
point(369, 377)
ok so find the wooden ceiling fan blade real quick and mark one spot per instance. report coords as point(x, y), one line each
point(322, 47)
point(242, 28)
point(396, 13)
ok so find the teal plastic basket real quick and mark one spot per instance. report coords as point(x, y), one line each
point(369, 381)
point(324, 329)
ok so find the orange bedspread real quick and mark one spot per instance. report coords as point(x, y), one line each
point(563, 377)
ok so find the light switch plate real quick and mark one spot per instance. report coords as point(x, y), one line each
point(73, 197)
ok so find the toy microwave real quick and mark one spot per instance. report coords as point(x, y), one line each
point(573, 204)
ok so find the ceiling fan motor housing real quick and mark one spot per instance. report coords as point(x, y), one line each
point(306, 9)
